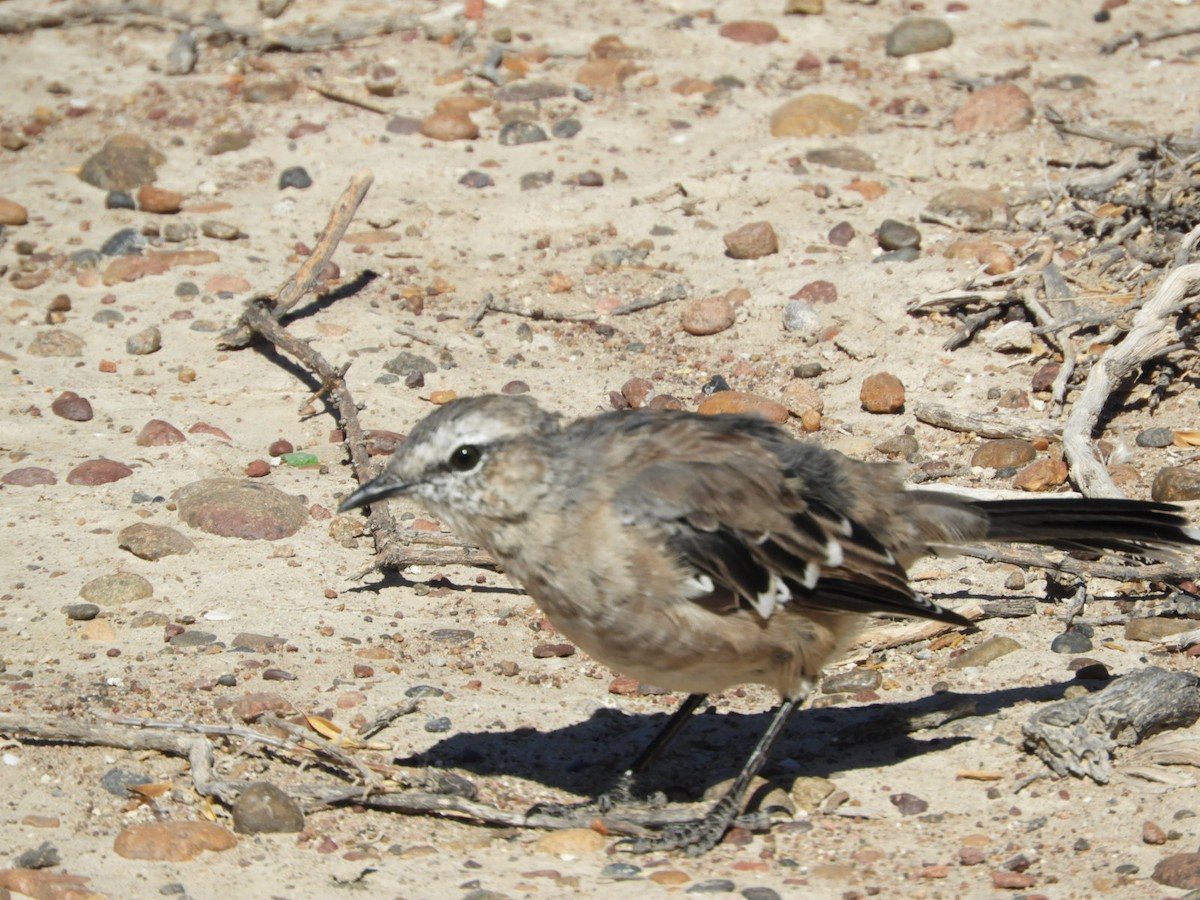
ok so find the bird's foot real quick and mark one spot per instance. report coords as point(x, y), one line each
point(621, 796)
point(697, 836)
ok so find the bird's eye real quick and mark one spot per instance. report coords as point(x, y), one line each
point(464, 458)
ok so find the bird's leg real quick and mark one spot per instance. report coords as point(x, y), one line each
point(621, 794)
point(699, 835)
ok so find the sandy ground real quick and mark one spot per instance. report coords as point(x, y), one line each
point(552, 729)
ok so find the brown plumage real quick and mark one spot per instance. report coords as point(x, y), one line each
point(701, 552)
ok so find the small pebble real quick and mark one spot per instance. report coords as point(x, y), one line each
point(841, 234)
point(903, 255)
point(857, 679)
point(987, 652)
point(532, 181)
point(566, 128)
point(119, 200)
point(153, 542)
point(751, 241)
point(220, 231)
point(145, 342)
point(118, 781)
point(801, 317)
point(295, 177)
point(82, 612)
point(707, 315)
point(418, 691)
point(909, 804)
point(882, 392)
point(450, 125)
point(1153, 834)
point(437, 724)
point(589, 179)
point(1071, 642)
point(1180, 870)
point(98, 471)
point(996, 109)
point(158, 200)
point(1043, 475)
point(1043, 378)
point(231, 507)
point(177, 841)
point(894, 235)
point(712, 886)
point(157, 433)
point(1002, 452)
point(1155, 437)
point(521, 132)
point(126, 242)
point(850, 159)
point(1174, 483)
point(748, 32)
point(69, 405)
point(43, 856)
point(816, 114)
point(902, 446)
point(124, 163)
point(621, 871)
point(918, 34)
point(744, 404)
point(263, 808)
point(191, 638)
point(476, 179)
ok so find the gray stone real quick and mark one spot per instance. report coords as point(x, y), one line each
point(263, 808)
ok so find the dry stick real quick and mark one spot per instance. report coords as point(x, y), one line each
point(199, 752)
point(333, 92)
point(1070, 565)
point(1111, 136)
point(1045, 319)
point(305, 278)
point(989, 425)
point(1138, 37)
point(1152, 335)
point(391, 547)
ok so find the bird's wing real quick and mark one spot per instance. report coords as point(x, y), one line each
point(737, 522)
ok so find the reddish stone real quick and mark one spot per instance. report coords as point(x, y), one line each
point(98, 471)
point(205, 428)
point(882, 392)
point(747, 32)
point(158, 433)
point(70, 405)
point(29, 476)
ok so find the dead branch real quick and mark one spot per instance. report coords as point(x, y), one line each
point(1070, 565)
point(174, 739)
point(305, 278)
point(989, 425)
point(1141, 39)
point(1108, 135)
point(262, 318)
point(1079, 736)
point(1153, 334)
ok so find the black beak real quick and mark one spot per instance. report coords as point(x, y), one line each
point(378, 488)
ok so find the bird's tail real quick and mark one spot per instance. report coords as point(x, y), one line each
point(1133, 527)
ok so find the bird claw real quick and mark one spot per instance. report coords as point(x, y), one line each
point(695, 836)
point(621, 796)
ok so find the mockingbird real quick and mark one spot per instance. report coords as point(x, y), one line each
point(697, 553)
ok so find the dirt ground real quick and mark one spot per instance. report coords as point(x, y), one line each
point(679, 171)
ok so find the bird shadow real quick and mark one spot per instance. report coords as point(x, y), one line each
point(586, 758)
